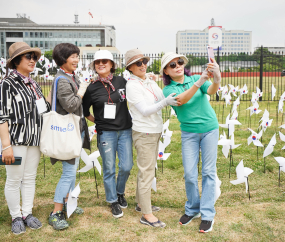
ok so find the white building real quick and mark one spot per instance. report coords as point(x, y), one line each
point(196, 41)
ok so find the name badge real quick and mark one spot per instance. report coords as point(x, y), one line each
point(110, 110)
point(41, 105)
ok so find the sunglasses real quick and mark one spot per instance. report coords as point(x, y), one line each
point(139, 63)
point(173, 64)
point(30, 56)
point(104, 61)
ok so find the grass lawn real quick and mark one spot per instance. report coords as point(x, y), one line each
point(237, 217)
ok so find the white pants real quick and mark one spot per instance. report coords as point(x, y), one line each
point(22, 177)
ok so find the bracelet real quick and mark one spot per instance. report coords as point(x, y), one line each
point(6, 147)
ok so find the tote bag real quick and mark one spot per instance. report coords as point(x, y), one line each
point(60, 136)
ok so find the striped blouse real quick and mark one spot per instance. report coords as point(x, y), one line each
point(18, 108)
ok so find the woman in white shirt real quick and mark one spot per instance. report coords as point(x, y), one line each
point(145, 100)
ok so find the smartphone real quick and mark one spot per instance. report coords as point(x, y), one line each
point(210, 53)
point(18, 161)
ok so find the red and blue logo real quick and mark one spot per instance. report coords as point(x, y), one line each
point(215, 36)
point(160, 154)
point(253, 137)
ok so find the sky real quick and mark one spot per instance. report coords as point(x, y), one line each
point(151, 25)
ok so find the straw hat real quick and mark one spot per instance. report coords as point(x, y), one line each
point(20, 48)
point(134, 55)
point(100, 55)
point(169, 57)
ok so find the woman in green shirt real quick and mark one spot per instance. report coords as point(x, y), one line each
point(199, 129)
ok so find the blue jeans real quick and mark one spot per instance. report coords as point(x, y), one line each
point(67, 179)
point(191, 143)
point(110, 142)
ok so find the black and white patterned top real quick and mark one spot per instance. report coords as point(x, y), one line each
point(18, 108)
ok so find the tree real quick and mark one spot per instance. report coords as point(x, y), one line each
point(48, 54)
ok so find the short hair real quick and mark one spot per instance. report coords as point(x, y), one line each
point(63, 51)
point(166, 78)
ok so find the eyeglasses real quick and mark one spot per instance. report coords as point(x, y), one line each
point(104, 61)
point(173, 64)
point(139, 63)
point(30, 56)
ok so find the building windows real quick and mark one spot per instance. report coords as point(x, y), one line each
point(41, 34)
point(36, 35)
point(46, 34)
point(36, 44)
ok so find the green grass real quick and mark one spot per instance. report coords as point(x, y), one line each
point(238, 219)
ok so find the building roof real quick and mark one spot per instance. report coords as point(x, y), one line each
point(26, 23)
point(15, 20)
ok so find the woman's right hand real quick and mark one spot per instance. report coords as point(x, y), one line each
point(8, 156)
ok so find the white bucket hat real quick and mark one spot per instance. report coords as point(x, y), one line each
point(100, 55)
point(169, 56)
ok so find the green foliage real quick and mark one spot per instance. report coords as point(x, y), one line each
point(48, 54)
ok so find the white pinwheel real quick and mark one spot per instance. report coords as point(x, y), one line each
point(254, 98)
point(243, 90)
point(92, 131)
point(242, 175)
point(233, 89)
point(281, 161)
point(280, 105)
point(90, 161)
point(258, 93)
point(227, 144)
point(269, 149)
point(72, 200)
point(273, 92)
point(230, 123)
point(254, 137)
point(254, 109)
point(235, 104)
point(282, 137)
point(265, 121)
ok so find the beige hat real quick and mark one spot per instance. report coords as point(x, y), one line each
point(20, 48)
point(132, 56)
point(169, 56)
point(100, 55)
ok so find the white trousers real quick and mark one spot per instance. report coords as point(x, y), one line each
point(22, 177)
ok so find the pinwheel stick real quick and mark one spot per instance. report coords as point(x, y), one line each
point(264, 159)
point(276, 118)
point(95, 179)
point(161, 165)
point(248, 188)
point(279, 174)
point(257, 153)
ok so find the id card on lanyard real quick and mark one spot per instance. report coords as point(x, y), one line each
point(40, 102)
point(110, 110)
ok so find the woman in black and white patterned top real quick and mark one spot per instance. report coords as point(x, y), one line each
point(21, 106)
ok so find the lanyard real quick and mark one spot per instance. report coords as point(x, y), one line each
point(71, 75)
point(34, 90)
point(109, 98)
point(151, 91)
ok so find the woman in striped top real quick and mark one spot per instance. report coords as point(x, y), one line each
point(21, 106)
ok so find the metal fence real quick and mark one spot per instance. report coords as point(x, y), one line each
point(259, 69)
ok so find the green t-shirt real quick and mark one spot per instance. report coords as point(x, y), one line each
point(197, 115)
